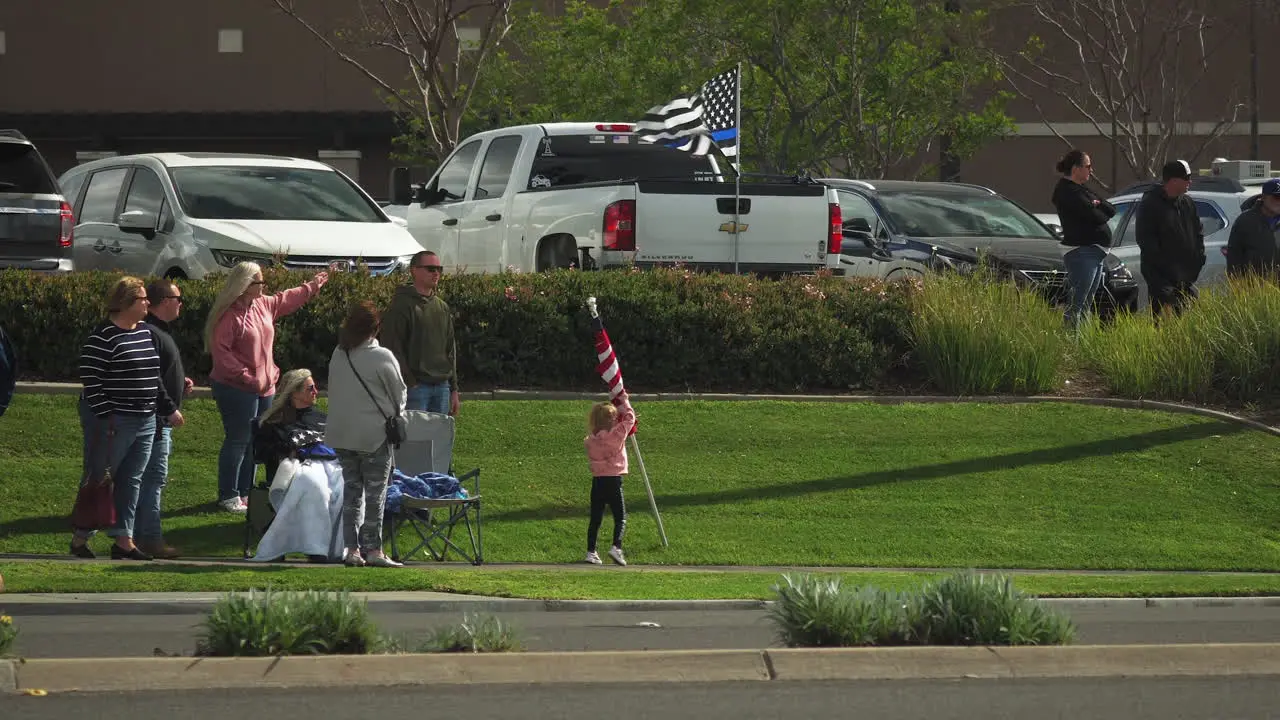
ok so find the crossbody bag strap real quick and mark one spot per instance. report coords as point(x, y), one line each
point(366, 387)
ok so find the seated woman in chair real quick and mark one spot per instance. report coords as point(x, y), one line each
point(305, 477)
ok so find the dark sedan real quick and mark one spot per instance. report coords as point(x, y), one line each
point(896, 229)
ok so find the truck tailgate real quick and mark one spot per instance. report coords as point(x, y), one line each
point(781, 227)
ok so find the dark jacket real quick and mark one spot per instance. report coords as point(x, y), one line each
point(418, 330)
point(1083, 215)
point(173, 376)
point(1252, 245)
point(276, 441)
point(1171, 238)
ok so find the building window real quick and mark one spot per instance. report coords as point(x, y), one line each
point(468, 38)
point(230, 40)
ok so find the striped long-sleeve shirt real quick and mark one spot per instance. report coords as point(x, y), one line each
point(120, 371)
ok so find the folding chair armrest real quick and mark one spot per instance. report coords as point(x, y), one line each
point(469, 475)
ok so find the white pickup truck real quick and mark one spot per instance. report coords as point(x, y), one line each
point(592, 195)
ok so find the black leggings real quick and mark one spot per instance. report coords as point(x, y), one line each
point(606, 491)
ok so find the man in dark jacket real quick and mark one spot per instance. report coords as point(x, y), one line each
point(1252, 246)
point(1171, 239)
point(166, 304)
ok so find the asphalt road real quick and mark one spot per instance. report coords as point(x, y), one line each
point(1097, 699)
point(98, 635)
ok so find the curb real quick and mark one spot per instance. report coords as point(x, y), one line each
point(82, 605)
point(48, 388)
point(703, 666)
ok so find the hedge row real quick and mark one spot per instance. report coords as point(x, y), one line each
point(673, 329)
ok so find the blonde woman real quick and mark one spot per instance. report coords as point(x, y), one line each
point(240, 335)
point(120, 371)
point(305, 477)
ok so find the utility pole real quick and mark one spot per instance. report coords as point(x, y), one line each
point(1255, 149)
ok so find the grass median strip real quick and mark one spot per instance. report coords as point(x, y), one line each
point(630, 584)
point(1048, 486)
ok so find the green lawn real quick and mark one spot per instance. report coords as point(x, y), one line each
point(771, 483)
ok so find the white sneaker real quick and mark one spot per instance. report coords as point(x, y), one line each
point(233, 505)
point(594, 558)
point(616, 554)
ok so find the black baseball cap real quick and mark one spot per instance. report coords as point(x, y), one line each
point(1176, 169)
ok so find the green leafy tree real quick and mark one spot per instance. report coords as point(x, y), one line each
point(860, 86)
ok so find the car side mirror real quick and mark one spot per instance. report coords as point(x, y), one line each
point(401, 192)
point(140, 222)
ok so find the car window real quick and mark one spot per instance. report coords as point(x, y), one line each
point(1122, 209)
point(942, 213)
point(853, 205)
point(146, 193)
point(1210, 218)
point(23, 171)
point(456, 173)
point(576, 159)
point(71, 185)
point(495, 173)
point(239, 192)
point(103, 194)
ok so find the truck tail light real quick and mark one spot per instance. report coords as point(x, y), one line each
point(620, 225)
point(835, 235)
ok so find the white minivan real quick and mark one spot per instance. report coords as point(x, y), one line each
point(191, 214)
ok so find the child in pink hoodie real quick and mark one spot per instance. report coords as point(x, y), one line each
point(607, 453)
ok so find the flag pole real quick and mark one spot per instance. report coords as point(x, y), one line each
point(737, 176)
point(635, 445)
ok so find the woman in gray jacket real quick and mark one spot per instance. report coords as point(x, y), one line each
point(365, 389)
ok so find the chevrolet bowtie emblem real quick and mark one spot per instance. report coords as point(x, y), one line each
point(733, 227)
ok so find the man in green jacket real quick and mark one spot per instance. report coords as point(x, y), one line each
point(418, 329)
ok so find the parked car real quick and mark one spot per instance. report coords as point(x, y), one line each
point(1217, 209)
point(191, 214)
point(36, 225)
point(896, 229)
point(534, 197)
point(1051, 221)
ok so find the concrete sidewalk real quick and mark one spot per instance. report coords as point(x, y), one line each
point(767, 665)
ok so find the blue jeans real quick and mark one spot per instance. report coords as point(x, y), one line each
point(154, 478)
point(1084, 275)
point(429, 397)
point(126, 454)
point(238, 408)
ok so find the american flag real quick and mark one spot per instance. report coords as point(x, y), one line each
point(607, 365)
point(694, 123)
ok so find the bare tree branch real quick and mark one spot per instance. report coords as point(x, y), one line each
point(1127, 68)
point(424, 34)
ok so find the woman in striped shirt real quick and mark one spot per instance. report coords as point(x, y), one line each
point(120, 371)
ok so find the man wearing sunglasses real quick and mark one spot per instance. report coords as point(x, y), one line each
point(166, 305)
point(418, 329)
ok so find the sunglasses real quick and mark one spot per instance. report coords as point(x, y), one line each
point(309, 388)
point(431, 268)
point(170, 297)
point(257, 282)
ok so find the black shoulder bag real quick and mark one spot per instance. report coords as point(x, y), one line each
point(394, 425)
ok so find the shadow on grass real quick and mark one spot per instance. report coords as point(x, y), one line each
point(1011, 461)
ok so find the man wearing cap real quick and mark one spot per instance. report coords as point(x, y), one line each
point(1252, 245)
point(1171, 238)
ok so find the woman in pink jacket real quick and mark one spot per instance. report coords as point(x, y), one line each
point(607, 453)
point(240, 335)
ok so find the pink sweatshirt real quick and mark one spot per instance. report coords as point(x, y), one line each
point(244, 339)
point(607, 449)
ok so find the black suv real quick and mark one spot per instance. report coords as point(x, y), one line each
point(35, 220)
